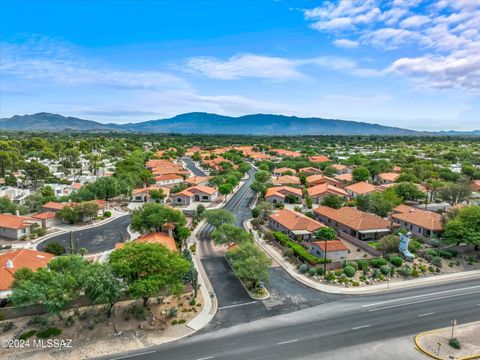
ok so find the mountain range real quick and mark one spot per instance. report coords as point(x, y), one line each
point(206, 123)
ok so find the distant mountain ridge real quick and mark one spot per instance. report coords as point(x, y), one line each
point(206, 123)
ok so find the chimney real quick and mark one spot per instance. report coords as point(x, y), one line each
point(9, 264)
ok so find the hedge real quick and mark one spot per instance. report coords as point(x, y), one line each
point(298, 250)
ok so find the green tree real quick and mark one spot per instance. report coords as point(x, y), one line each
point(147, 269)
point(157, 195)
point(250, 265)
point(36, 172)
point(455, 193)
point(228, 233)
point(326, 233)
point(219, 217)
point(333, 201)
point(55, 248)
point(464, 226)
point(408, 191)
point(153, 216)
point(262, 176)
point(71, 214)
point(225, 189)
point(360, 173)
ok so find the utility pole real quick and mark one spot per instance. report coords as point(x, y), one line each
point(454, 322)
point(325, 259)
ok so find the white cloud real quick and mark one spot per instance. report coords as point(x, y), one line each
point(345, 43)
point(445, 34)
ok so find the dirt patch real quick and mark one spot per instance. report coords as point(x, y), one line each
point(437, 342)
point(88, 332)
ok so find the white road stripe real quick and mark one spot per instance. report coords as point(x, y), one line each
point(287, 342)
point(361, 327)
point(237, 305)
point(422, 301)
point(419, 296)
point(205, 358)
point(132, 355)
point(426, 314)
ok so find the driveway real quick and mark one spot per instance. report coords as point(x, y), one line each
point(95, 239)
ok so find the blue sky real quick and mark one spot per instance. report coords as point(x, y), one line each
point(407, 63)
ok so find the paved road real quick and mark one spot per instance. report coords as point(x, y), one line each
point(327, 328)
point(95, 239)
point(235, 305)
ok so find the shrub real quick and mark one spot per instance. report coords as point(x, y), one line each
point(27, 334)
point(255, 213)
point(376, 263)
point(454, 343)
point(349, 271)
point(405, 271)
point(320, 271)
point(330, 276)
point(415, 273)
point(7, 326)
point(298, 250)
point(182, 321)
point(107, 214)
point(414, 246)
point(355, 283)
point(55, 248)
point(385, 269)
point(375, 273)
point(174, 322)
point(312, 272)
point(362, 264)
point(431, 269)
point(396, 261)
point(192, 302)
point(303, 268)
point(437, 261)
point(49, 332)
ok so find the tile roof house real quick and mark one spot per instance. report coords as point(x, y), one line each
point(310, 171)
point(475, 185)
point(56, 206)
point(283, 170)
point(278, 194)
point(316, 193)
point(353, 222)
point(421, 223)
point(313, 180)
point(285, 180)
point(360, 188)
point(168, 179)
point(143, 194)
point(47, 218)
point(199, 193)
point(387, 178)
point(14, 227)
point(318, 159)
point(335, 250)
point(198, 180)
point(12, 261)
point(161, 238)
point(344, 178)
point(294, 224)
point(341, 169)
point(286, 153)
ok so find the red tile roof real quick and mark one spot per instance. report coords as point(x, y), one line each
point(353, 218)
point(318, 158)
point(154, 238)
point(361, 188)
point(332, 245)
point(391, 176)
point(294, 220)
point(57, 206)
point(44, 215)
point(282, 191)
point(325, 189)
point(426, 219)
point(10, 221)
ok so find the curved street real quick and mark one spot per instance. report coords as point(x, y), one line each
point(95, 239)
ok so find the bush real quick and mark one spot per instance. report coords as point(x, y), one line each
point(376, 263)
point(49, 332)
point(174, 322)
point(437, 261)
point(362, 265)
point(7, 326)
point(298, 250)
point(55, 248)
point(107, 214)
point(312, 272)
point(349, 271)
point(396, 261)
point(192, 302)
point(303, 268)
point(320, 271)
point(255, 212)
point(375, 273)
point(405, 271)
point(182, 321)
point(27, 335)
point(330, 276)
point(385, 269)
point(454, 343)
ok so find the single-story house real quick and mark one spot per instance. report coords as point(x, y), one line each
point(285, 180)
point(168, 180)
point(336, 250)
point(360, 188)
point(422, 223)
point(286, 153)
point(310, 171)
point(47, 218)
point(340, 169)
point(353, 222)
point(387, 178)
point(314, 180)
point(318, 159)
point(161, 238)
point(12, 261)
point(198, 180)
point(198, 193)
point(53, 206)
point(284, 170)
point(14, 227)
point(296, 225)
point(344, 178)
point(278, 194)
point(143, 194)
point(318, 192)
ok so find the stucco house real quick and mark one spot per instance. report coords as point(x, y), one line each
point(296, 225)
point(335, 250)
point(192, 194)
point(279, 194)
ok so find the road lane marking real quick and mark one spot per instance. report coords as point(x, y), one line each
point(419, 296)
point(426, 314)
point(236, 305)
point(361, 327)
point(287, 342)
point(423, 301)
point(207, 357)
point(132, 355)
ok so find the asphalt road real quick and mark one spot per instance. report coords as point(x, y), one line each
point(95, 239)
point(235, 304)
point(309, 333)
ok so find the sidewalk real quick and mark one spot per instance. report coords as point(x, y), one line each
point(369, 289)
point(435, 343)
